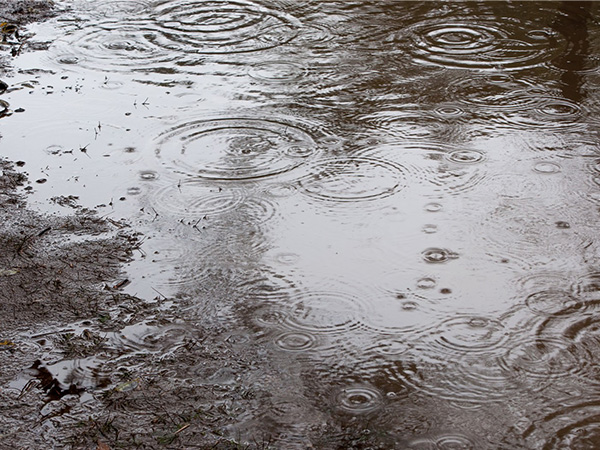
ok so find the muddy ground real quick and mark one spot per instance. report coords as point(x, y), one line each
point(190, 384)
point(59, 300)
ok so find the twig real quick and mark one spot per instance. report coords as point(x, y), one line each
point(164, 296)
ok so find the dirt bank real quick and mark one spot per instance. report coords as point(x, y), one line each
point(22, 12)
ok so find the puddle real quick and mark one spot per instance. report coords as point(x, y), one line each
point(391, 207)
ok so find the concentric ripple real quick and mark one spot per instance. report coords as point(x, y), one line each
point(435, 255)
point(542, 359)
point(235, 148)
point(451, 170)
point(222, 26)
point(454, 442)
point(458, 180)
point(195, 198)
point(358, 399)
point(353, 179)
point(553, 302)
point(466, 156)
point(547, 167)
point(406, 123)
point(392, 316)
point(174, 36)
point(277, 71)
point(583, 336)
point(115, 8)
point(450, 111)
point(544, 112)
point(325, 312)
point(470, 379)
point(112, 45)
point(296, 341)
point(390, 347)
point(476, 45)
point(175, 267)
point(468, 334)
point(497, 91)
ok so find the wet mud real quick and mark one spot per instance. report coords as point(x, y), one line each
point(86, 365)
point(275, 224)
point(22, 12)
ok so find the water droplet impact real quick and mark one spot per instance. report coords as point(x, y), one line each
point(430, 228)
point(148, 175)
point(269, 317)
point(287, 258)
point(409, 306)
point(433, 207)
point(281, 190)
point(469, 334)
point(359, 399)
point(449, 111)
point(296, 341)
point(547, 167)
point(115, 8)
point(278, 71)
point(391, 347)
point(176, 35)
point(559, 109)
point(235, 149)
point(466, 156)
point(483, 45)
point(438, 255)
point(454, 442)
point(55, 149)
point(134, 190)
point(68, 59)
point(221, 27)
point(426, 283)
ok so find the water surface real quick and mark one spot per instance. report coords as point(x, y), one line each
point(397, 199)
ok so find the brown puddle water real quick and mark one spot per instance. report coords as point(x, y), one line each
point(398, 199)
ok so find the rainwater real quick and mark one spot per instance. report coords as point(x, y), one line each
point(399, 200)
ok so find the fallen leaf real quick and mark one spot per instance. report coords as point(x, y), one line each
point(8, 272)
point(102, 446)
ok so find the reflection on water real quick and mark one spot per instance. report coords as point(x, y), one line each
point(400, 196)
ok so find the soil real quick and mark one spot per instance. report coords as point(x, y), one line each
point(70, 378)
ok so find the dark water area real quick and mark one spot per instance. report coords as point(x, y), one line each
point(399, 200)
